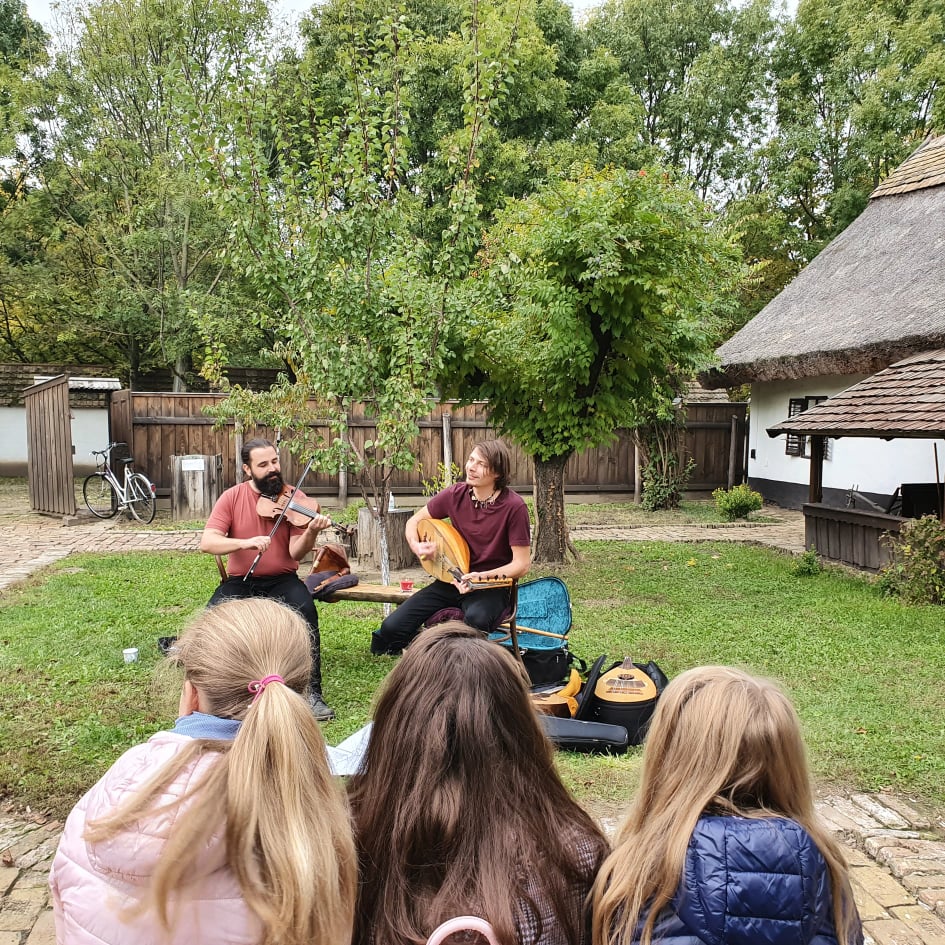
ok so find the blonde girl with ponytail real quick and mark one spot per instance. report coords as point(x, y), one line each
point(227, 829)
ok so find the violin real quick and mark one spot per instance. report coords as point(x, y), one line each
point(290, 501)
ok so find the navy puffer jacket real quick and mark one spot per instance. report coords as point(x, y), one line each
point(750, 882)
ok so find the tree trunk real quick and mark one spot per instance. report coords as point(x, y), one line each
point(551, 542)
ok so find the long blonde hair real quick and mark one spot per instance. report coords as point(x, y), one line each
point(288, 833)
point(721, 741)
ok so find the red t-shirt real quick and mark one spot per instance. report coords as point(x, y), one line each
point(490, 531)
point(235, 516)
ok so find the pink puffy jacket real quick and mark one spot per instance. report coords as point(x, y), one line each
point(93, 883)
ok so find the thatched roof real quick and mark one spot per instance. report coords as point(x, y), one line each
point(907, 399)
point(874, 295)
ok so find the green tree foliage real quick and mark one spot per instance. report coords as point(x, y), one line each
point(857, 88)
point(22, 52)
point(353, 263)
point(698, 71)
point(136, 251)
point(592, 298)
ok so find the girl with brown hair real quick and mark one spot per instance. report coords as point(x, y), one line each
point(227, 829)
point(458, 808)
point(722, 844)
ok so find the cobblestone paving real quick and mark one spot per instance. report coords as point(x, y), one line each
point(895, 850)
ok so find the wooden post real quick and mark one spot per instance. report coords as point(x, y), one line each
point(732, 452)
point(343, 471)
point(816, 469)
point(196, 484)
point(238, 447)
point(637, 474)
point(447, 449)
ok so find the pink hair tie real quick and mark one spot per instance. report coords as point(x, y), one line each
point(258, 685)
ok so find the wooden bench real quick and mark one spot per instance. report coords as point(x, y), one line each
point(374, 593)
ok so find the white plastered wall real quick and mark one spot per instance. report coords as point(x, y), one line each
point(871, 464)
point(89, 432)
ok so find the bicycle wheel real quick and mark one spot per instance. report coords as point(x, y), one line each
point(141, 501)
point(100, 495)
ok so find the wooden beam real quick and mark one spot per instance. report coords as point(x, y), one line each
point(817, 444)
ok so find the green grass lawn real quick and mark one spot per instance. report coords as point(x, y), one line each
point(865, 672)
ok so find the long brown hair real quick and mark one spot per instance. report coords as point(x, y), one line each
point(459, 802)
point(720, 741)
point(288, 834)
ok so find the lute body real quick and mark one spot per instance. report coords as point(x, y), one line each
point(450, 560)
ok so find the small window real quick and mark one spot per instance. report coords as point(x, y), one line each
point(797, 445)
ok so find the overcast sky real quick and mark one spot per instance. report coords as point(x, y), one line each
point(40, 9)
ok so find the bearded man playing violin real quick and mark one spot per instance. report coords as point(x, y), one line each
point(236, 528)
point(493, 522)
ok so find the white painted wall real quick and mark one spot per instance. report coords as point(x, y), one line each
point(873, 465)
point(89, 432)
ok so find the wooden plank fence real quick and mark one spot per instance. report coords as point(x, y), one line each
point(157, 426)
point(49, 447)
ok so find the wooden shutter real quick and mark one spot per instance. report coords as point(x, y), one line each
point(794, 443)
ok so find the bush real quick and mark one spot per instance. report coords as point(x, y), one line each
point(737, 502)
point(664, 484)
point(917, 570)
point(807, 564)
point(443, 478)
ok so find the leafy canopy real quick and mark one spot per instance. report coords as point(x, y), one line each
point(591, 296)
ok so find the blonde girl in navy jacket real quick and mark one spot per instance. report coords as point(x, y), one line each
point(721, 845)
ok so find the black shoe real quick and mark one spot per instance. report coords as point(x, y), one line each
point(380, 646)
point(320, 709)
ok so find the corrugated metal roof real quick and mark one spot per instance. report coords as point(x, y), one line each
point(84, 383)
point(907, 399)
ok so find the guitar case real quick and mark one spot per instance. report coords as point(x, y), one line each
point(543, 604)
point(634, 717)
point(577, 735)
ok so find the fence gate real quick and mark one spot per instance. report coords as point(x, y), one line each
point(49, 447)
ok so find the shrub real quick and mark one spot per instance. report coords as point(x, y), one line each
point(441, 480)
point(737, 502)
point(917, 570)
point(808, 564)
point(664, 484)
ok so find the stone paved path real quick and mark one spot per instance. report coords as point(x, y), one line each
point(896, 851)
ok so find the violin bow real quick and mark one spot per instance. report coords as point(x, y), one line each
point(298, 486)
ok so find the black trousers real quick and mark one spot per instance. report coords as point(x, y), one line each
point(288, 589)
point(481, 609)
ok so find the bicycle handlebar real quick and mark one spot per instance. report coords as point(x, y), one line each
point(108, 449)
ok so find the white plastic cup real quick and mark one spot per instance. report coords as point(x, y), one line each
point(130, 654)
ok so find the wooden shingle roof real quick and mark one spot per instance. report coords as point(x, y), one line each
point(925, 168)
point(874, 295)
point(907, 399)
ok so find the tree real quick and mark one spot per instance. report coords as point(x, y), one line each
point(857, 85)
point(699, 71)
point(592, 296)
point(136, 257)
point(22, 52)
point(352, 263)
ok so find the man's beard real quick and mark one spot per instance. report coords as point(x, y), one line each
point(270, 485)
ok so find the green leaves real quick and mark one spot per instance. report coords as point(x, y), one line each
point(589, 292)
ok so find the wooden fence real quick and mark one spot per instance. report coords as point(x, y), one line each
point(159, 426)
point(49, 447)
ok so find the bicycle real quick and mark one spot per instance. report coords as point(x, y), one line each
point(105, 496)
